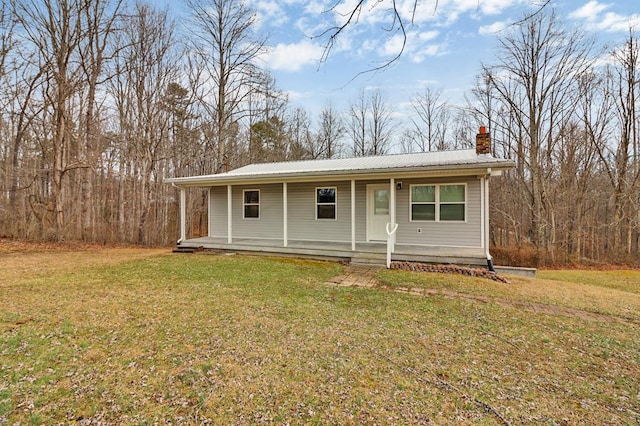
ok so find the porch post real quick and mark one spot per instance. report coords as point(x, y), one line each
point(483, 214)
point(229, 215)
point(392, 211)
point(285, 225)
point(353, 215)
point(209, 224)
point(183, 215)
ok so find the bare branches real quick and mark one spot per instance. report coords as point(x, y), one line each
point(396, 23)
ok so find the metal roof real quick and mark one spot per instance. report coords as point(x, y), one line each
point(344, 167)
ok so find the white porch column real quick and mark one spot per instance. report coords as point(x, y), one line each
point(392, 211)
point(229, 215)
point(209, 224)
point(353, 215)
point(482, 212)
point(183, 215)
point(285, 225)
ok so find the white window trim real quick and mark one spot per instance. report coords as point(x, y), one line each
point(251, 204)
point(437, 202)
point(335, 188)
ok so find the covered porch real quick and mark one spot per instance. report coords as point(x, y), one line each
point(369, 252)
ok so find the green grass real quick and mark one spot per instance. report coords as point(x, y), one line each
point(625, 280)
point(246, 340)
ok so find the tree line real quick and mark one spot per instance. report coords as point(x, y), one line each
point(102, 100)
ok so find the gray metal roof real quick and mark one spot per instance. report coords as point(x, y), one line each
point(344, 167)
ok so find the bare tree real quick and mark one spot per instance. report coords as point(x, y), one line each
point(616, 113)
point(370, 124)
point(266, 109)
point(224, 40)
point(56, 30)
point(534, 79)
point(100, 19)
point(357, 123)
point(145, 65)
point(396, 18)
point(430, 123)
point(382, 124)
point(300, 135)
point(329, 136)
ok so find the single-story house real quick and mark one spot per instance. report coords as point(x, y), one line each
point(348, 208)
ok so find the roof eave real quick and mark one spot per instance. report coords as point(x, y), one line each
point(463, 169)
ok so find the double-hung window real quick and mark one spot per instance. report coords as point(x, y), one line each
point(251, 204)
point(441, 202)
point(326, 203)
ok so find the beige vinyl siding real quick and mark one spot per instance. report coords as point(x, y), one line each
point(218, 211)
point(443, 233)
point(303, 224)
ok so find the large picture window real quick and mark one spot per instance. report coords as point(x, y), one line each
point(326, 203)
point(251, 204)
point(442, 202)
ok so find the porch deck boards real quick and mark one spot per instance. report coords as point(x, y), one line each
point(342, 250)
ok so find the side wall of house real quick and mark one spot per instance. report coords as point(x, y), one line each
point(218, 211)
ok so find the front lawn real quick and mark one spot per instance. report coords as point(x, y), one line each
point(142, 336)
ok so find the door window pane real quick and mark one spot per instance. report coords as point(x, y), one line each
point(381, 202)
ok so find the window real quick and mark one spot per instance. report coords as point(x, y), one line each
point(251, 204)
point(438, 202)
point(326, 203)
point(423, 202)
point(452, 202)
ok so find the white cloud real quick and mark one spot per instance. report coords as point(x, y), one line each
point(589, 11)
point(294, 56)
point(420, 55)
point(493, 29)
point(418, 45)
point(393, 46)
point(270, 13)
point(494, 7)
point(428, 35)
point(592, 13)
point(613, 22)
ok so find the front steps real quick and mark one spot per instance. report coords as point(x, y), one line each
point(369, 259)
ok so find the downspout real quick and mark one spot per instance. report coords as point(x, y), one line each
point(486, 222)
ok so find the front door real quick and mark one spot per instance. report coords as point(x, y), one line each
point(377, 212)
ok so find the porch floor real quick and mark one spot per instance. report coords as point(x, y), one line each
point(370, 252)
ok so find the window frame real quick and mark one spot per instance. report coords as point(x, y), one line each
point(245, 204)
point(437, 203)
point(334, 204)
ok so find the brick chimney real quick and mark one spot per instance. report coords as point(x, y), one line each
point(483, 141)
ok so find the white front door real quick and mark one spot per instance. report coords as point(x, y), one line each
point(377, 212)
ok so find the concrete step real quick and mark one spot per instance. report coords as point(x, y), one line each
point(370, 259)
point(183, 250)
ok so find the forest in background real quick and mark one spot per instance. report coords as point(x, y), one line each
point(101, 100)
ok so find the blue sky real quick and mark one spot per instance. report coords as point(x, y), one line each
point(446, 44)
